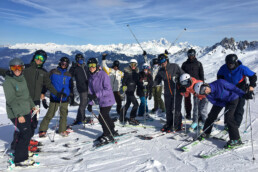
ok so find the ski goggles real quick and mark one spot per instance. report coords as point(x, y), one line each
point(202, 89)
point(64, 64)
point(146, 67)
point(185, 82)
point(191, 54)
point(17, 67)
point(231, 65)
point(162, 61)
point(133, 64)
point(40, 57)
point(92, 65)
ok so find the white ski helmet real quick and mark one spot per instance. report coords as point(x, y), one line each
point(133, 61)
point(197, 87)
point(146, 66)
point(185, 80)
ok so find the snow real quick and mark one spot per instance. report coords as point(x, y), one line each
point(133, 154)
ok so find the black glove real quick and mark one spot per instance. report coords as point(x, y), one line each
point(104, 56)
point(248, 95)
point(166, 52)
point(182, 90)
point(61, 94)
point(89, 108)
point(92, 97)
point(144, 53)
point(44, 103)
point(150, 96)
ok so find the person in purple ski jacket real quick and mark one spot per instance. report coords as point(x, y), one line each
point(222, 94)
point(100, 90)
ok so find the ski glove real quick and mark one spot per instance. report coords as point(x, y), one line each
point(145, 83)
point(182, 90)
point(150, 96)
point(144, 53)
point(44, 103)
point(248, 95)
point(89, 108)
point(92, 97)
point(166, 52)
point(104, 56)
point(124, 88)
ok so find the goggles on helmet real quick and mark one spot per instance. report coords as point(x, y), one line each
point(17, 67)
point(92, 65)
point(40, 57)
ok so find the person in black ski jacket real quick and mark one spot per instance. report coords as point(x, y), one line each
point(129, 84)
point(235, 72)
point(144, 90)
point(193, 67)
point(81, 75)
point(170, 73)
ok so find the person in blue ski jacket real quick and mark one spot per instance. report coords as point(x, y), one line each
point(222, 94)
point(236, 73)
point(61, 79)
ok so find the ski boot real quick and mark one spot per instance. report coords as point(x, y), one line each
point(77, 122)
point(42, 134)
point(26, 163)
point(133, 121)
point(64, 134)
point(165, 128)
point(201, 125)
point(35, 143)
point(233, 143)
point(33, 149)
point(193, 126)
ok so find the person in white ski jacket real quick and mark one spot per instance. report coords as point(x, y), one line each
point(115, 76)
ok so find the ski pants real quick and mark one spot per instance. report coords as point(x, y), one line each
point(229, 117)
point(239, 111)
point(118, 101)
point(63, 112)
point(200, 109)
point(158, 102)
point(170, 104)
point(23, 138)
point(105, 121)
point(81, 110)
point(130, 98)
point(143, 106)
point(188, 105)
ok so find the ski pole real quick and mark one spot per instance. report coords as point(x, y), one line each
point(104, 122)
point(251, 128)
point(177, 38)
point(134, 36)
point(184, 114)
point(174, 103)
point(145, 104)
point(247, 104)
point(124, 109)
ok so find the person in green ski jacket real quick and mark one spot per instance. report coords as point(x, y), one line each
point(18, 107)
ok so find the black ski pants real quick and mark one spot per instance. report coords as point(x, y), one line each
point(239, 112)
point(23, 138)
point(118, 101)
point(106, 122)
point(229, 119)
point(169, 104)
point(81, 110)
point(130, 98)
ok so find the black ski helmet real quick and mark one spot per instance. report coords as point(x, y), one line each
point(92, 60)
point(16, 61)
point(78, 57)
point(191, 52)
point(155, 61)
point(231, 59)
point(40, 52)
point(162, 58)
point(64, 59)
point(116, 63)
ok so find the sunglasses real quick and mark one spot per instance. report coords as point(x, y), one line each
point(191, 54)
point(17, 67)
point(92, 65)
point(64, 64)
point(40, 57)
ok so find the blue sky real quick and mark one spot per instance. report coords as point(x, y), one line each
point(100, 22)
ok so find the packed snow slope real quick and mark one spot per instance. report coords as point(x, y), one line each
point(133, 154)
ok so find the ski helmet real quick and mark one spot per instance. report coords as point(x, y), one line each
point(133, 61)
point(155, 61)
point(92, 60)
point(191, 52)
point(197, 87)
point(42, 53)
point(78, 57)
point(64, 60)
point(15, 62)
point(116, 63)
point(185, 80)
point(145, 66)
point(162, 58)
point(231, 59)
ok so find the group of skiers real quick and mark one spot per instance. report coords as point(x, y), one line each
point(26, 85)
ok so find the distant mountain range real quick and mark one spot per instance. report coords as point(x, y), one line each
point(122, 52)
